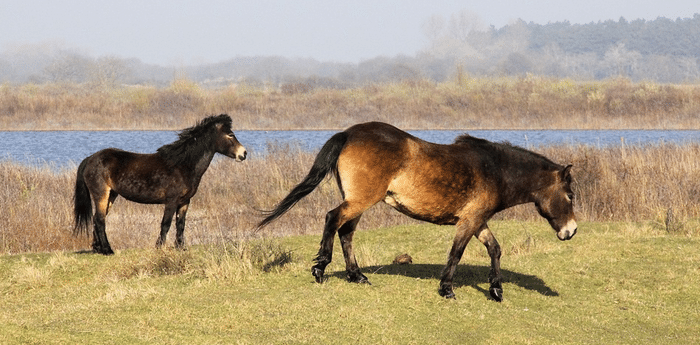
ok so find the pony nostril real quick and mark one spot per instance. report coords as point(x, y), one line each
point(567, 231)
point(567, 234)
point(243, 156)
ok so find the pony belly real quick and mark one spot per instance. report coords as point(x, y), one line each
point(142, 200)
point(155, 189)
point(146, 196)
point(428, 212)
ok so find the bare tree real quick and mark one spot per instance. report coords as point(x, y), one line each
point(68, 67)
point(433, 28)
point(690, 67)
point(109, 71)
point(621, 61)
point(464, 23)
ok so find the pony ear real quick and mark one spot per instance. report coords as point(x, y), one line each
point(566, 174)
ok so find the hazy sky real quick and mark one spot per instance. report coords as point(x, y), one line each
point(178, 32)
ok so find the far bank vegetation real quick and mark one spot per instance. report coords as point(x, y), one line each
point(528, 102)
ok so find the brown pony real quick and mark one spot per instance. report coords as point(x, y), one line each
point(464, 184)
point(170, 176)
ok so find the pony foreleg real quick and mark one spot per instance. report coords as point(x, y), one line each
point(465, 231)
point(494, 249)
point(165, 223)
point(180, 225)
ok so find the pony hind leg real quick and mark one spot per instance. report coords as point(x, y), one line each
point(494, 249)
point(103, 203)
point(345, 233)
point(342, 217)
point(325, 252)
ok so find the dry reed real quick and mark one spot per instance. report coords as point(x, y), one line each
point(511, 103)
point(658, 183)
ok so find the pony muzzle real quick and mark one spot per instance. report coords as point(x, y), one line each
point(241, 154)
point(568, 230)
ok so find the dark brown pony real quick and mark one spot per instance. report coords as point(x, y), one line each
point(170, 176)
point(464, 184)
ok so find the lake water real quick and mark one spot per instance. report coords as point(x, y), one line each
point(65, 148)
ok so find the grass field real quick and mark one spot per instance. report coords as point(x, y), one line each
point(614, 283)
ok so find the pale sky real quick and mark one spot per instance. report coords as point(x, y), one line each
point(179, 32)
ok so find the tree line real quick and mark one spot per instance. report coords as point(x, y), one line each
point(661, 50)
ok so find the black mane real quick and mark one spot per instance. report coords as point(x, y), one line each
point(514, 154)
point(194, 141)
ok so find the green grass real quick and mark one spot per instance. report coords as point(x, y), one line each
point(614, 283)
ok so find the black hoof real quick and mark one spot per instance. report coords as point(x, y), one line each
point(180, 244)
point(357, 277)
point(318, 274)
point(107, 251)
point(496, 294)
point(447, 293)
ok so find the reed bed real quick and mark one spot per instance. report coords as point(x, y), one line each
point(657, 184)
point(468, 103)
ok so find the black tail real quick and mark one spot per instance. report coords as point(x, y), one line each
point(82, 209)
point(324, 163)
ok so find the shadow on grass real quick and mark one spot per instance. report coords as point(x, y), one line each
point(466, 275)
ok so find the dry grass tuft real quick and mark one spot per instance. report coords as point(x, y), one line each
point(236, 260)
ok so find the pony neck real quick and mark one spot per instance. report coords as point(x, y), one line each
point(523, 182)
point(191, 153)
point(198, 167)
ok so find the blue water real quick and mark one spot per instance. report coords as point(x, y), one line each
point(65, 148)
